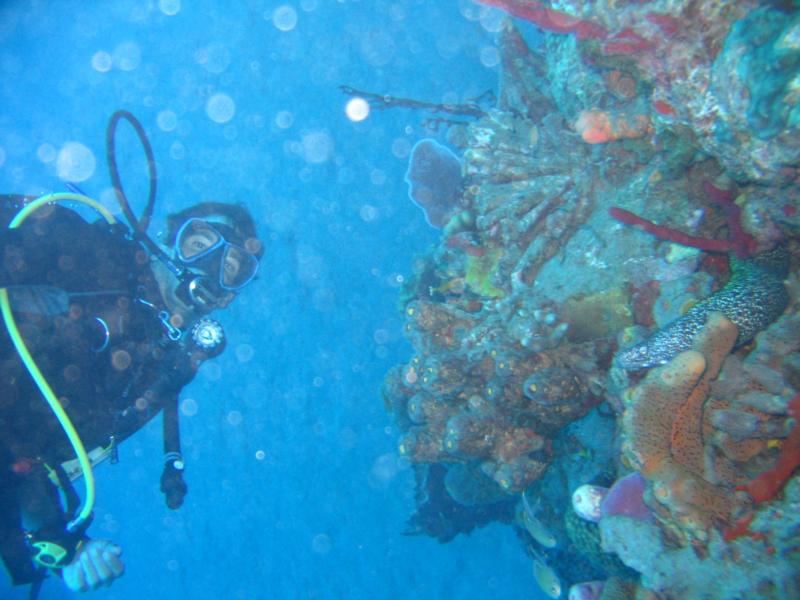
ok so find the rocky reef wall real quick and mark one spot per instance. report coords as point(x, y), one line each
point(628, 204)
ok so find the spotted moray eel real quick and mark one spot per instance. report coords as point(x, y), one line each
point(753, 298)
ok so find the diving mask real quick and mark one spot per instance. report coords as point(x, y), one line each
point(202, 245)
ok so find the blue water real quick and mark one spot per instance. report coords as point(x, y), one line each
point(295, 486)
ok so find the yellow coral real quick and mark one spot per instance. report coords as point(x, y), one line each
point(480, 273)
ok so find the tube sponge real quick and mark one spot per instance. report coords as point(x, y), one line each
point(434, 181)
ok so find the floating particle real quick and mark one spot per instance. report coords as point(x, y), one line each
point(211, 371)
point(401, 148)
point(177, 151)
point(127, 56)
point(75, 162)
point(189, 407)
point(368, 213)
point(169, 7)
point(220, 108)
point(46, 153)
point(317, 147)
point(214, 58)
point(284, 119)
point(284, 17)
point(101, 61)
point(357, 109)
point(167, 120)
point(244, 353)
point(377, 47)
point(121, 360)
point(493, 20)
point(321, 544)
point(377, 177)
point(490, 56)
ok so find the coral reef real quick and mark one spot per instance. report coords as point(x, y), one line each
point(684, 113)
point(493, 380)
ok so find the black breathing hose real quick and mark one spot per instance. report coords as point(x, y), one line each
point(139, 225)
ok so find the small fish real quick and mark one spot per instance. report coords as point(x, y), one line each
point(454, 285)
point(535, 527)
point(546, 578)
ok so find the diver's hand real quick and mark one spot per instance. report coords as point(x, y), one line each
point(96, 564)
point(172, 485)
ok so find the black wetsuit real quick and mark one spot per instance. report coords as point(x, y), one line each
point(108, 358)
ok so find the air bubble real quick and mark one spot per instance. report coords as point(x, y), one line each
point(169, 7)
point(101, 61)
point(75, 162)
point(189, 407)
point(357, 109)
point(244, 353)
point(284, 18)
point(284, 119)
point(490, 56)
point(127, 56)
point(317, 147)
point(167, 120)
point(177, 151)
point(220, 108)
point(368, 213)
point(321, 544)
point(46, 153)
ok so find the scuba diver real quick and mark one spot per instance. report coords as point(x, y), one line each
point(107, 327)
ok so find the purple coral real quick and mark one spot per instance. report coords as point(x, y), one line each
point(434, 181)
point(626, 497)
point(588, 590)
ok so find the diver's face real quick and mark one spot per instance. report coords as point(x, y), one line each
point(214, 267)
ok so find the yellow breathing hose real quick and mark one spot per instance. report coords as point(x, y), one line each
point(33, 369)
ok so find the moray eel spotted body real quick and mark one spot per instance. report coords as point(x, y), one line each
point(753, 298)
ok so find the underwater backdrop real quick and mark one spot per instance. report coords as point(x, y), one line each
point(527, 321)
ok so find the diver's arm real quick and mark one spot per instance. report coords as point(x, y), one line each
point(83, 563)
point(33, 527)
point(172, 483)
point(14, 549)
